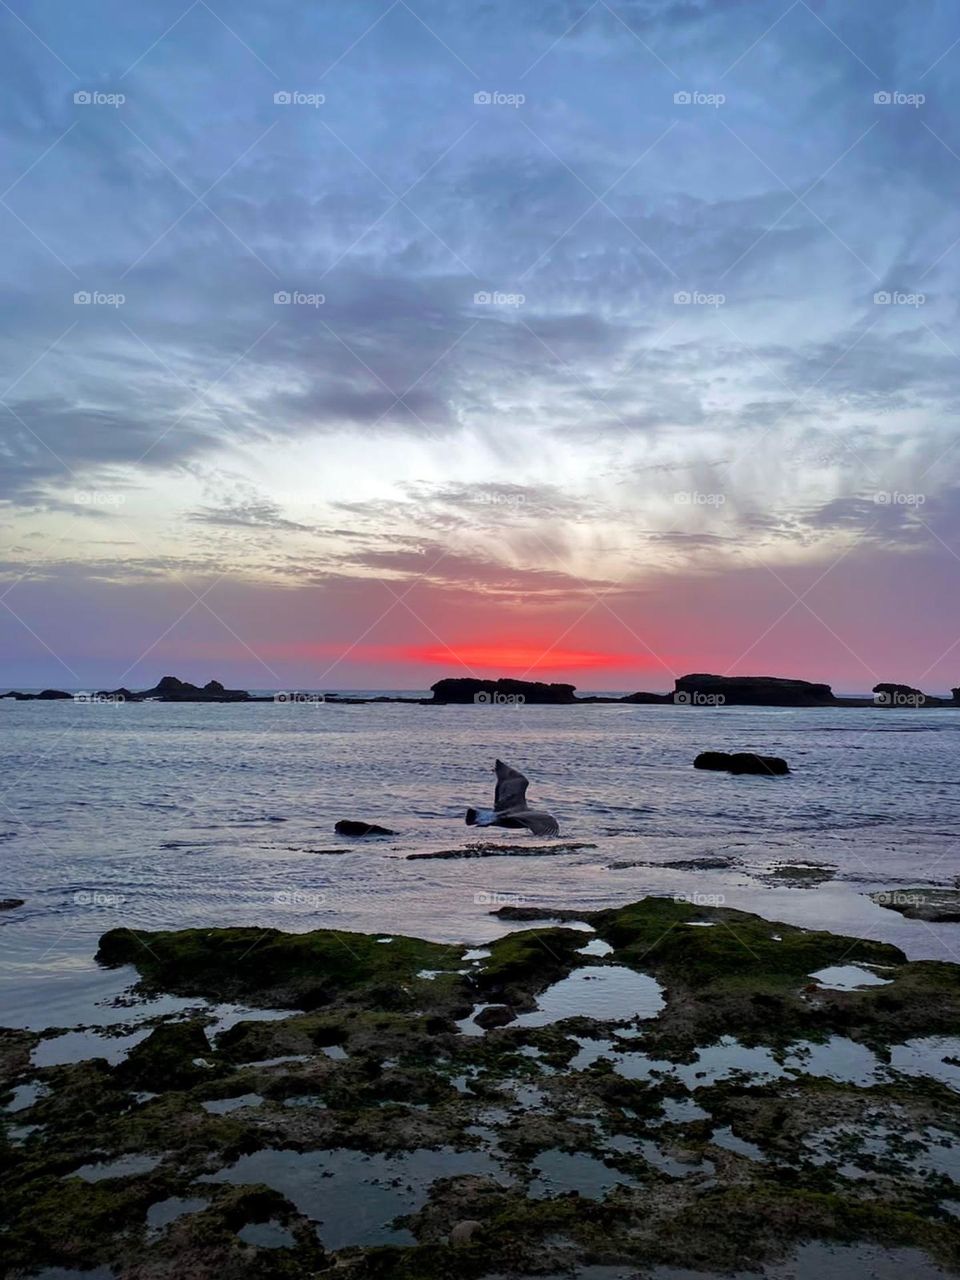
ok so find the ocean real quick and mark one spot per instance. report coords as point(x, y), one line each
point(166, 816)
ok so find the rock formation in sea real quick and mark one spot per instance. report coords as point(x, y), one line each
point(898, 695)
point(751, 691)
point(742, 762)
point(502, 691)
point(350, 827)
point(170, 689)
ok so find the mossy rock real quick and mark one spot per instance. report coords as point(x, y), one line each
point(172, 1057)
point(70, 1222)
point(266, 966)
point(740, 952)
point(531, 958)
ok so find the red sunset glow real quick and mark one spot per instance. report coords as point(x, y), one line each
point(517, 656)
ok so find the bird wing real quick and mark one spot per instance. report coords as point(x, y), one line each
point(511, 792)
point(537, 821)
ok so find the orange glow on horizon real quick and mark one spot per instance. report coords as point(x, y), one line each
point(516, 658)
point(508, 656)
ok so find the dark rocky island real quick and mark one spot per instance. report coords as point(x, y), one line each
point(698, 690)
point(502, 691)
point(755, 691)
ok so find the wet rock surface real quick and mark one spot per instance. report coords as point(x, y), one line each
point(921, 904)
point(689, 1099)
point(742, 762)
point(350, 827)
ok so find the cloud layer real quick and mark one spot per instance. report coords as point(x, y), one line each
point(617, 329)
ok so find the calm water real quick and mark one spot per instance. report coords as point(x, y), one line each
point(166, 816)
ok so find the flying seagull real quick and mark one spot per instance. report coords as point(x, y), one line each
point(510, 806)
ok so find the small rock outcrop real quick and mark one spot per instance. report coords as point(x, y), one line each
point(349, 827)
point(46, 695)
point(898, 695)
point(496, 1015)
point(170, 689)
point(742, 762)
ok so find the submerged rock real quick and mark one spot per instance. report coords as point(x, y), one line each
point(941, 905)
point(349, 827)
point(494, 850)
point(742, 762)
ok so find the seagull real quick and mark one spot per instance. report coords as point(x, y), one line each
point(510, 806)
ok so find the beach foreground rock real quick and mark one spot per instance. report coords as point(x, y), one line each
point(399, 1109)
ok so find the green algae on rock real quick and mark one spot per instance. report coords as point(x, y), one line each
point(754, 1111)
point(289, 970)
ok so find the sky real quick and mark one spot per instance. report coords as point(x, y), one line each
point(355, 345)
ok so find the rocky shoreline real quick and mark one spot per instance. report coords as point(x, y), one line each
point(657, 1084)
point(697, 690)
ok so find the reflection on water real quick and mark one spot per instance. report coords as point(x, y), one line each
point(609, 993)
point(354, 1197)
